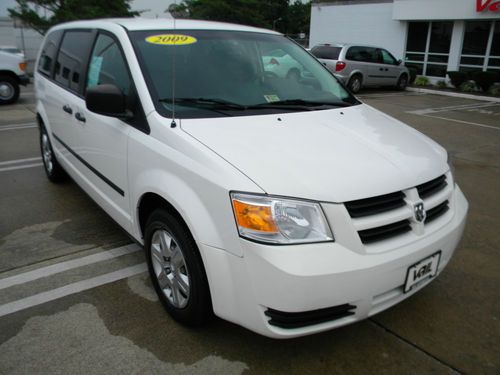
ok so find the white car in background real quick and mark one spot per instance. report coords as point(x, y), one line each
point(286, 206)
point(280, 64)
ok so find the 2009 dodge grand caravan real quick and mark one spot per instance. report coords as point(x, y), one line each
point(282, 204)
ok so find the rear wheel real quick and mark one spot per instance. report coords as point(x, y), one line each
point(9, 89)
point(176, 269)
point(53, 169)
point(355, 83)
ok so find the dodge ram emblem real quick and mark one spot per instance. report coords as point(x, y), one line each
point(419, 212)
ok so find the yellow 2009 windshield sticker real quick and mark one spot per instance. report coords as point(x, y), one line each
point(171, 39)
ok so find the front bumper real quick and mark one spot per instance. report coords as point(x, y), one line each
point(305, 278)
point(24, 79)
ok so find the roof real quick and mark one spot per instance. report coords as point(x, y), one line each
point(135, 24)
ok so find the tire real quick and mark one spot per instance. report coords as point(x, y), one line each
point(402, 82)
point(53, 169)
point(355, 83)
point(9, 90)
point(176, 269)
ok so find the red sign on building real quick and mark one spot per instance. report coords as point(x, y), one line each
point(484, 5)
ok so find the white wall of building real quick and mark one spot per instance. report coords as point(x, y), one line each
point(358, 23)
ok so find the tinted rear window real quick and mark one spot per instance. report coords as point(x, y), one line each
point(49, 50)
point(72, 58)
point(326, 52)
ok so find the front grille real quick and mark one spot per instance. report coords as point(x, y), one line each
point(375, 205)
point(291, 320)
point(391, 215)
point(436, 212)
point(384, 232)
point(432, 187)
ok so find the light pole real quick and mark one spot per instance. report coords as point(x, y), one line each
point(274, 23)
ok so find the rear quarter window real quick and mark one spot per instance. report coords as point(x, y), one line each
point(72, 59)
point(49, 51)
point(326, 52)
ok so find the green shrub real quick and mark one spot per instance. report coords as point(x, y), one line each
point(421, 81)
point(413, 73)
point(484, 79)
point(495, 91)
point(441, 84)
point(468, 86)
point(457, 78)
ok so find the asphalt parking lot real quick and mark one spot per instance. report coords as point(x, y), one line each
point(74, 297)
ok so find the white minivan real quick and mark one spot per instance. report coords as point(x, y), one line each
point(280, 203)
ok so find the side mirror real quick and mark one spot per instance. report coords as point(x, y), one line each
point(107, 100)
point(399, 62)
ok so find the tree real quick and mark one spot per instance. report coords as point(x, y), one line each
point(279, 14)
point(40, 15)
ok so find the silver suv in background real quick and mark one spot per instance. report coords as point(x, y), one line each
point(360, 66)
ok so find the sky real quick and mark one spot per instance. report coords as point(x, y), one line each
point(154, 8)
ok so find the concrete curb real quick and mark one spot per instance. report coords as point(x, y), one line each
point(454, 94)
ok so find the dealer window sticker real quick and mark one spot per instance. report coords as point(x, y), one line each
point(272, 98)
point(171, 39)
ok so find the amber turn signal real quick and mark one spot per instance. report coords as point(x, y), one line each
point(254, 217)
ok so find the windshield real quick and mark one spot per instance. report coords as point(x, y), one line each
point(211, 73)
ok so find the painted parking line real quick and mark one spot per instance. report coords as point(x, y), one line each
point(24, 166)
point(464, 122)
point(67, 265)
point(13, 165)
point(4, 128)
point(431, 113)
point(427, 111)
point(80, 286)
point(19, 161)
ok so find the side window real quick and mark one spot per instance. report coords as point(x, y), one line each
point(107, 65)
point(374, 55)
point(388, 58)
point(72, 59)
point(48, 54)
point(363, 54)
point(354, 54)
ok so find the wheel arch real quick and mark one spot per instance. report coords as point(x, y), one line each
point(10, 73)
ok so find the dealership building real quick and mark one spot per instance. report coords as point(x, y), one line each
point(435, 36)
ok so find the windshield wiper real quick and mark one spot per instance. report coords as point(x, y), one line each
point(205, 102)
point(300, 104)
point(220, 104)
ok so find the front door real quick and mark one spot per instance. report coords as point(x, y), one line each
point(104, 139)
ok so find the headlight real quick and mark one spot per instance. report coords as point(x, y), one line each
point(279, 221)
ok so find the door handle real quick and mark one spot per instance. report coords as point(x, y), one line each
point(67, 109)
point(80, 117)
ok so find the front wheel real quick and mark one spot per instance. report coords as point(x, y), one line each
point(176, 269)
point(9, 90)
point(402, 82)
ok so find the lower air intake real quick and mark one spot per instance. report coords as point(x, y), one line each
point(308, 318)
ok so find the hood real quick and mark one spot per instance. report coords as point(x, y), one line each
point(333, 155)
